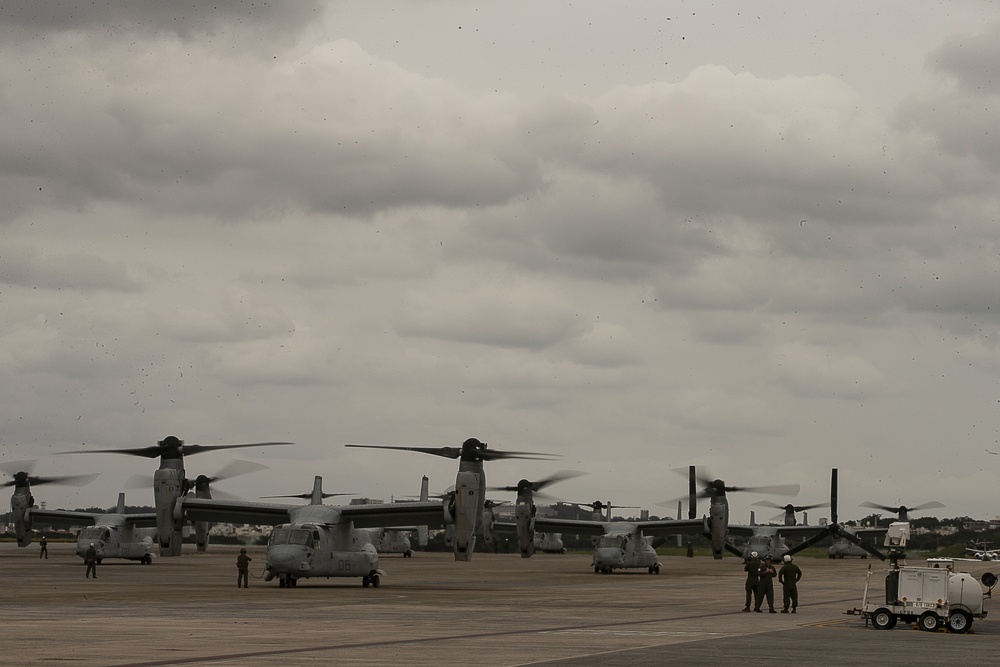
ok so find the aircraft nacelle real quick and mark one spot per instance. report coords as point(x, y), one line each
point(19, 505)
point(469, 492)
point(167, 488)
point(718, 525)
point(524, 513)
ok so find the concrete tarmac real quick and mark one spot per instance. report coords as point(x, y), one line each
point(430, 610)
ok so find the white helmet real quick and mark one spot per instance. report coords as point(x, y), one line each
point(753, 554)
point(787, 558)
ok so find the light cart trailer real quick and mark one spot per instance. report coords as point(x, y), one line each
point(931, 596)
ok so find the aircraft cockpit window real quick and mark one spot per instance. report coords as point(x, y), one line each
point(611, 542)
point(279, 536)
point(92, 534)
point(299, 537)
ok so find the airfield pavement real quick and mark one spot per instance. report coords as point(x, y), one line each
point(497, 610)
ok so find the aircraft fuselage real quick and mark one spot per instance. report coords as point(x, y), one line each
point(623, 551)
point(304, 550)
point(114, 541)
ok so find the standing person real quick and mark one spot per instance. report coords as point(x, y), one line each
point(90, 560)
point(789, 576)
point(243, 569)
point(766, 585)
point(43, 551)
point(752, 568)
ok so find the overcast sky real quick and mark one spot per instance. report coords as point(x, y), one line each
point(638, 235)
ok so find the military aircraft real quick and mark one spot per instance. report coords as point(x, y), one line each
point(619, 544)
point(387, 541)
point(170, 482)
point(981, 551)
point(548, 543)
point(21, 502)
point(717, 526)
point(771, 540)
point(317, 540)
point(788, 516)
point(902, 511)
point(114, 534)
point(837, 530)
point(465, 506)
point(201, 487)
point(842, 548)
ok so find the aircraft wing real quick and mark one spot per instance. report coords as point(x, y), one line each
point(395, 515)
point(660, 527)
point(237, 511)
point(70, 518)
point(867, 532)
point(64, 517)
point(739, 530)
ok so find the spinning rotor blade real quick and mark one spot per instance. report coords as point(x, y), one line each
point(540, 484)
point(172, 447)
point(446, 452)
point(789, 507)
point(307, 496)
point(21, 473)
point(236, 469)
point(903, 508)
point(717, 487)
point(778, 490)
point(471, 450)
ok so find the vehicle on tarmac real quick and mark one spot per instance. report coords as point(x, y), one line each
point(114, 534)
point(931, 597)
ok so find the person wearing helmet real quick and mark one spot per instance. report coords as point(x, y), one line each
point(752, 568)
point(90, 560)
point(789, 576)
point(243, 569)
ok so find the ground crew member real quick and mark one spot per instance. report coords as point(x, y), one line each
point(789, 576)
point(766, 585)
point(243, 569)
point(43, 548)
point(752, 568)
point(90, 560)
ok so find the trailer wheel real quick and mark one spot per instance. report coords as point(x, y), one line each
point(883, 619)
point(929, 621)
point(959, 622)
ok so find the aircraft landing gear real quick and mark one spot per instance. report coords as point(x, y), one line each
point(146, 560)
point(655, 569)
point(287, 582)
point(370, 580)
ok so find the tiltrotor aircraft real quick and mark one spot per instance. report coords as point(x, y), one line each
point(22, 502)
point(113, 534)
point(618, 545)
point(840, 532)
point(170, 482)
point(902, 511)
point(317, 540)
point(770, 540)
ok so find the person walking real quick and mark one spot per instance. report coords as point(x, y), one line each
point(752, 568)
point(789, 576)
point(43, 550)
point(243, 569)
point(766, 585)
point(90, 560)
